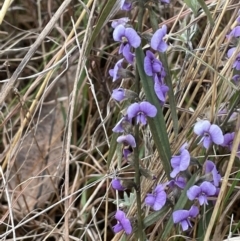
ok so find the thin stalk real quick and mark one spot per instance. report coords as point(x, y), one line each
point(136, 134)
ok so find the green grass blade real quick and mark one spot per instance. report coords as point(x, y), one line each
point(157, 124)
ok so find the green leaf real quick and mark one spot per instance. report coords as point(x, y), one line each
point(109, 8)
point(206, 10)
point(157, 124)
point(193, 4)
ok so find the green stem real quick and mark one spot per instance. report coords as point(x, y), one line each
point(136, 150)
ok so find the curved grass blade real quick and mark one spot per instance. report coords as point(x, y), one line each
point(157, 124)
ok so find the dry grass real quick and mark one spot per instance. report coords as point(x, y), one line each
point(56, 117)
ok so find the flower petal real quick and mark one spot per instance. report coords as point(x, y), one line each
point(133, 38)
point(116, 184)
point(128, 55)
point(119, 94)
point(118, 33)
point(148, 109)
point(127, 139)
point(117, 228)
point(160, 201)
point(185, 160)
point(194, 211)
point(127, 225)
point(208, 188)
point(216, 134)
point(150, 200)
point(193, 192)
point(133, 110)
point(180, 215)
point(201, 127)
point(119, 215)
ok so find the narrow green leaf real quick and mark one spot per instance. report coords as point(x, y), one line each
point(157, 124)
point(171, 97)
point(106, 13)
point(179, 205)
point(206, 10)
point(193, 4)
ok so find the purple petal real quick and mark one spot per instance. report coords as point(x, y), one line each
point(119, 94)
point(175, 161)
point(127, 139)
point(185, 225)
point(148, 66)
point(216, 134)
point(116, 184)
point(133, 38)
point(228, 140)
point(210, 167)
point(207, 141)
point(174, 172)
point(133, 110)
point(202, 199)
point(180, 182)
point(157, 42)
point(148, 109)
point(126, 5)
point(117, 228)
point(194, 211)
point(193, 192)
point(160, 201)
point(115, 71)
point(119, 215)
point(150, 200)
point(234, 33)
point(185, 160)
point(121, 21)
point(141, 118)
point(126, 225)
point(159, 188)
point(201, 127)
point(118, 128)
point(119, 33)
point(208, 188)
point(128, 55)
point(230, 52)
point(180, 215)
point(161, 91)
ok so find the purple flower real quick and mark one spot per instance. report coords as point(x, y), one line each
point(228, 140)
point(116, 184)
point(201, 192)
point(161, 91)
point(165, 1)
point(209, 133)
point(236, 63)
point(141, 111)
point(120, 21)
point(234, 33)
point(157, 199)
point(127, 140)
point(123, 223)
point(181, 162)
point(129, 56)
point(236, 78)
point(126, 5)
point(121, 124)
point(178, 181)
point(157, 42)
point(183, 217)
point(210, 167)
point(126, 153)
point(119, 94)
point(128, 38)
point(115, 71)
point(151, 64)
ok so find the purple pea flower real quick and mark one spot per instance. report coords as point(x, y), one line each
point(128, 38)
point(209, 133)
point(183, 217)
point(236, 79)
point(178, 181)
point(228, 140)
point(129, 56)
point(120, 21)
point(234, 33)
point(151, 64)
point(115, 71)
point(165, 1)
point(127, 140)
point(181, 162)
point(119, 94)
point(236, 63)
point(161, 91)
point(123, 223)
point(121, 124)
point(210, 167)
point(126, 5)
point(157, 42)
point(157, 199)
point(201, 192)
point(116, 184)
point(141, 111)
